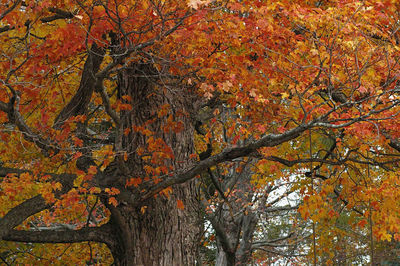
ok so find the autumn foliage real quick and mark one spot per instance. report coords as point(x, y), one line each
point(204, 120)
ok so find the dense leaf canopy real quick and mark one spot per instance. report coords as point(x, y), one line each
point(283, 101)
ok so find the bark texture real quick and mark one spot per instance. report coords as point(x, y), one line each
point(156, 231)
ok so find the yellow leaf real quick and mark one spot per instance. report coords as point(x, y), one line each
point(285, 95)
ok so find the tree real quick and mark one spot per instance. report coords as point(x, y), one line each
point(108, 110)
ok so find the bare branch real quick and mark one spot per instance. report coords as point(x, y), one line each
point(282, 208)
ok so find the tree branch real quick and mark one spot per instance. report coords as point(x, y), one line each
point(79, 102)
point(59, 14)
point(14, 116)
point(6, 28)
point(222, 236)
point(21, 212)
point(269, 140)
point(11, 8)
point(33, 205)
point(102, 234)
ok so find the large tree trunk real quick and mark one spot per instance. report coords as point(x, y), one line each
point(162, 235)
point(155, 232)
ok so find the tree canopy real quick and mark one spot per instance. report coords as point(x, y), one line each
point(232, 131)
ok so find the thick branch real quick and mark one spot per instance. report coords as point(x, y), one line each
point(79, 102)
point(100, 234)
point(59, 14)
point(269, 140)
point(248, 226)
point(33, 205)
point(107, 105)
point(222, 236)
point(21, 212)
point(394, 143)
point(6, 28)
point(76, 106)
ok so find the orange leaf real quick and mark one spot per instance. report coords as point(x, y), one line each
point(78, 142)
point(113, 201)
point(94, 190)
point(133, 182)
point(166, 191)
point(112, 191)
point(77, 155)
point(180, 205)
point(92, 170)
point(362, 223)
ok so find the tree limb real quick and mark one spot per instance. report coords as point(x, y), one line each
point(33, 205)
point(11, 8)
point(6, 28)
point(21, 212)
point(59, 14)
point(102, 234)
point(79, 102)
point(269, 140)
point(222, 236)
point(12, 110)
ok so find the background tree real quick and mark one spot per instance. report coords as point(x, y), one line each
point(100, 102)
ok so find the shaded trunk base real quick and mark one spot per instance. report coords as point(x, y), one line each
point(158, 233)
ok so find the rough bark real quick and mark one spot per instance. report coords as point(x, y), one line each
point(162, 235)
point(156, 231)
point(98, 234)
